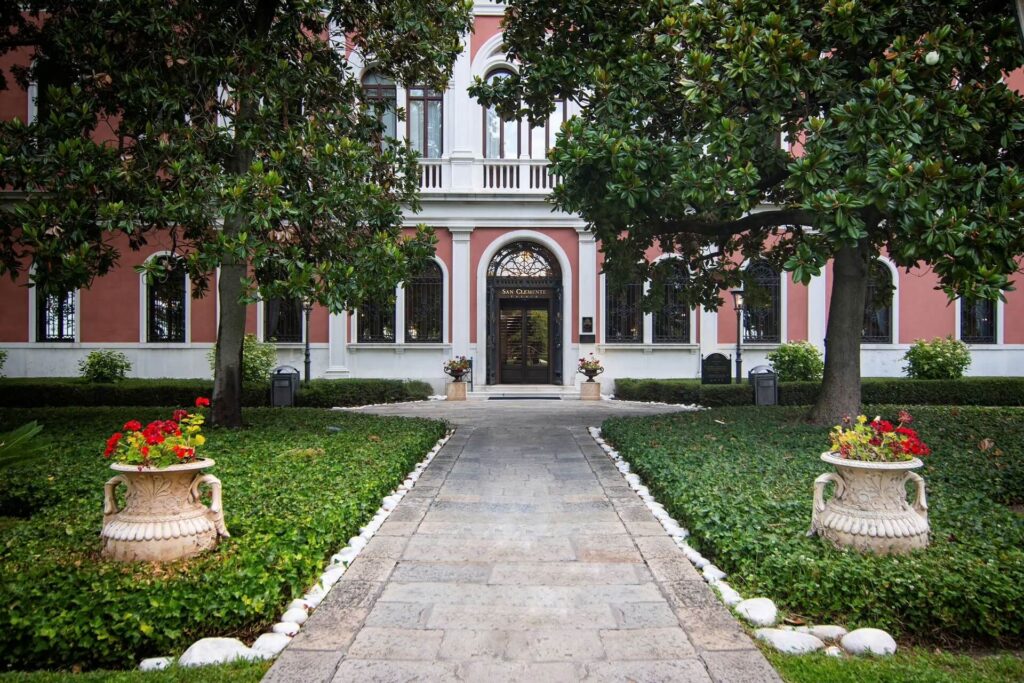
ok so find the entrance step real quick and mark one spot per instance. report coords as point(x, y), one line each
point(523, 391)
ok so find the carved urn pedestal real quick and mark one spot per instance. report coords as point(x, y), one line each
point(456, 391)
point(163, 518)
point(590, 391)
point(869, 510)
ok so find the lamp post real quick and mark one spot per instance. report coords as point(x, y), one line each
point(307, 309)
point(737, 303)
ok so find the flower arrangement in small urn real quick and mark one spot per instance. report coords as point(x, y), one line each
point(163, 518)
point(590, 366)
point(869, 510)
point(456, 368)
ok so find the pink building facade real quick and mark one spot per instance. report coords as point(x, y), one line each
point(515, 286)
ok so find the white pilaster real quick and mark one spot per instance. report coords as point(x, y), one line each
point(587, 277)
point(816, 318)
point(461, 278)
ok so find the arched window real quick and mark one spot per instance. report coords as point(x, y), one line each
point(425, 121)
point(282, 321)
point(672, 321)
point(878, 304)
point(55, 316)
point(762, 308)
point(380, 92)
point(623, 314)
point(377, 322)
point(424, 306)
point(978, 321)
point(523, 260)
point(166, 298)
point(501, 136)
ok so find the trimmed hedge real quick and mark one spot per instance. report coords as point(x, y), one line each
point(294, 492)
point(42, 392)
point(967, 391)
point(741, 480)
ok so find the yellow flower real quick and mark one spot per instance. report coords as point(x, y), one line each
point(200, 439)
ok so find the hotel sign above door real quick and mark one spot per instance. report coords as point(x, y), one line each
point(524, 293)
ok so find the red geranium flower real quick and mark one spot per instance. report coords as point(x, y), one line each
point(112, 443)
point(179, 415)
point(132, 426)
point(202, 402)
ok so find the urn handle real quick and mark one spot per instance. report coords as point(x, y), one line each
point(216, 504)
point(920, 500)
point(109, 501)
point(819, 489)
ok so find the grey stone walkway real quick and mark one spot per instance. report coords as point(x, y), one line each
point(521, 554)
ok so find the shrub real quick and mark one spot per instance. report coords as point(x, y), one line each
point(969, 585)
point(3, 361)
point(797, 362)
point(937, 359)
point(105, 366)
point(967, 391)
point(258, 359)
point(294, 492)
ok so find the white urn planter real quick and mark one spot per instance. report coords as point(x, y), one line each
point(869, 510)
point(163, 518)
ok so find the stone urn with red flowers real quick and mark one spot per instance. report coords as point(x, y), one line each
point(163, 518)
point(869, 510)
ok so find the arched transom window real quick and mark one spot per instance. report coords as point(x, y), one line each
point(523, 260)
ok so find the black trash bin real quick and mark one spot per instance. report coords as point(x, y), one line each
point(765, 384)
point(284, 383)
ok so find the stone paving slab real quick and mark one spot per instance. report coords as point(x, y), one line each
point(521, 555)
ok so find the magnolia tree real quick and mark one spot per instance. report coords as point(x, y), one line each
point(233, 131)
point(906, 138)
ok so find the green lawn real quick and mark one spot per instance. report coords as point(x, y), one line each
point(293, 494)
point(242, 672)
point(915, 666)
point(740, 479)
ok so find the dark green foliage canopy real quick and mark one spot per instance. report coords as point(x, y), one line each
point(911, 140)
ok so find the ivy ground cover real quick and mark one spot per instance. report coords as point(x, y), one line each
point(740, 479)
point(294, 492)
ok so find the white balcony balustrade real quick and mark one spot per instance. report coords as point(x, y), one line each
point(524, 176)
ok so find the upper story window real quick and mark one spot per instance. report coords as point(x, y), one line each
point(624, 316)
point(762, 310)
point(501, 136)
point(282, 321)
point(55, 317)
point(978, 321)
point(672, 322)
point(878, 304)
point(166, 299)
point(424, 306)
point(380, 92)
point(377, 322)
point(425, 116)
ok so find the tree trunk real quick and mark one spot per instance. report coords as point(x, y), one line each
point(227, 382)
point(840, 388)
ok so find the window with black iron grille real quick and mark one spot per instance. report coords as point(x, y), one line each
point(282, 321)
point(978, 321)
point(424, 306)
point(624, 317)
point(672, 322)
point(55, 317)
point(377, 323)
point(878, 304)
point(166, 298)
point(761, 310)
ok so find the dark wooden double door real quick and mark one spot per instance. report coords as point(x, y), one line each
point(524, 341)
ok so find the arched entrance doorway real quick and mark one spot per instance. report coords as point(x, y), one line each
point(524, 316)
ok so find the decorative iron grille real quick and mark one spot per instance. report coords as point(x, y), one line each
point(282, 321)
point(761, 312)
point(377, 323)
point(424, 306)
point(55, 317)
point(978, 321)
point(672, 322)
point(167, 296)
point(878, 304)
point(523, 260)
point(624, 316)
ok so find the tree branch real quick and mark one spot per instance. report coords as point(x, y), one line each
point(751, 221)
